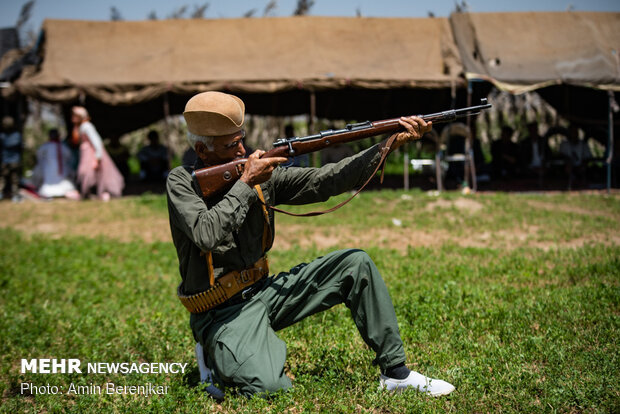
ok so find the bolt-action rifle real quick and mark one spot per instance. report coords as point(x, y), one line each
point(219, 178)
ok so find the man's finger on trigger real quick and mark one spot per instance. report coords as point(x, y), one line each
point(278, 160)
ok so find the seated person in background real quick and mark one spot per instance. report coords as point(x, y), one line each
point(120, 155)
point(535, 152)
point(154, 162)
point(576, 153)
point(505, 155)
point(53, 171)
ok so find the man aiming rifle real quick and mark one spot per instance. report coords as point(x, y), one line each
point(221, 241)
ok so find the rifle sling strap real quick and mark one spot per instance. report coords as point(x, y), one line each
point(385, 150)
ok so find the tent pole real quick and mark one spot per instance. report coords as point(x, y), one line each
point(312, 112)
point(469, 168)
point(167, 122)
point(311, 125)
point(610, 138)
point(406, 170)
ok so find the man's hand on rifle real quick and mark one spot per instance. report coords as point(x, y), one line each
point(258, 170)
point(415, 128)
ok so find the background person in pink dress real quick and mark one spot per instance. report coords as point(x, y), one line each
point(96, 168)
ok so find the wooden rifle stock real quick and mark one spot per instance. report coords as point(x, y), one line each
point(210, 181)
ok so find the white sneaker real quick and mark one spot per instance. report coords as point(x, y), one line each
point(419, 382)
point(205, 375)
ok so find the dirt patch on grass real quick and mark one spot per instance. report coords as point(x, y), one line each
point(291, 236)
point(125, 220)
point(567, 208)
point(462, 204)
point(115, 220)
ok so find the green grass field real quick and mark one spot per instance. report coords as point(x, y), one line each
point(516, 302)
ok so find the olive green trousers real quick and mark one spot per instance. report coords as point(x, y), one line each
point(240, 342)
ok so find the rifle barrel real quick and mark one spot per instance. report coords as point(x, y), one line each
point(213, 180)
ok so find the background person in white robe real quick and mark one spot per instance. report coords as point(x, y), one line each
point(53, 170)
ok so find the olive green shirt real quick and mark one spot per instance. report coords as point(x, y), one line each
point(231, 225)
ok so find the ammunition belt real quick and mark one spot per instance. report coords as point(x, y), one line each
point(224, 288)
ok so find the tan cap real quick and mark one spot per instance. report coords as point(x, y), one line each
point(214, 114)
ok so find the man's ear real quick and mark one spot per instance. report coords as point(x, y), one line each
point(201, 149)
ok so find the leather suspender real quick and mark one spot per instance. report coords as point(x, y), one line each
point(234, 282)
point(267, 235)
